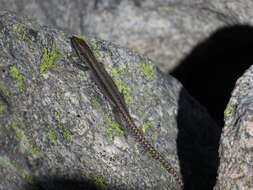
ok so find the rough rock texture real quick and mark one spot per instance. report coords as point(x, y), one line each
point(163, 30)
point(58, 132)
point(236, 147)
point(166, 31)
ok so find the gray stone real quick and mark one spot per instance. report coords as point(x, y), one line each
point(57, 131)
point(163, 30)
point(236, 146)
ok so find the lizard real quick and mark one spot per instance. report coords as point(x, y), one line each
point(109, 89)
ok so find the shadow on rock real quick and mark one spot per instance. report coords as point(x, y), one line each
point(210, 71)
point(209, 74)
point(64, 184)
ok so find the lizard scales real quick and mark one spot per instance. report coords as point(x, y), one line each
point(106, 84)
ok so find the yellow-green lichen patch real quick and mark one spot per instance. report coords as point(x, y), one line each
point(19, 32)
point(114, 72)
point(4, 91)
point(65, 133)
point(51, 136)
point(135, 67)
point(95, 48)
point(227, 110)
point(241, 89)
point(110, 136)
point(49, 57)
point(147, 70)
point(147, 154)
point(25, 142)
point(82, 37)
point(96, 104)
point(99, 182)
point(12, 166)
point(154, 137)
point(27, 177)
point(57, 116)
point(15, 73)
point(6, 163)
point(145, 126)
point(74, 58)
point(113, 129)
point(121, 87)
point(125, 71)
point(125, 91)
point(33, 79)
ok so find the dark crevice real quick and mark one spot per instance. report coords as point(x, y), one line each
point(209, 74)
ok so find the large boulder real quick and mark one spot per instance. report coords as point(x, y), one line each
point(236, 145)
point(57, 131)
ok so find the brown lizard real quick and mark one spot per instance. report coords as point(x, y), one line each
point(106, 84)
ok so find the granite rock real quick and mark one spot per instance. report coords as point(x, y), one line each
point(236, 145)
point(57, 131)
point(163, 30)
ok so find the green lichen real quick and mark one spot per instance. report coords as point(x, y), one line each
point(100, 183)
point(134, 67)
point(147, 71)
point(57, 116)
point(33, 79)
point(17, 130)
point(125, 91)
point(125, 71)
point(65, 133)
point(96, 104)
point(13, 166)
point(154, 137)
point(49, 57)
point(145, 126)
point(27, 177)
point(167, 188)
point(227, 110)
point(121, 87)
point(113, 129)
point(147, 154)
point(19, 32)
point(15, 73)
point(74, 58)
point(25, 142)
point(4, 91)
point(51, 136)
point(110, 136)
point(6, 163)
point(114, 71)
point(95, 48)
